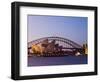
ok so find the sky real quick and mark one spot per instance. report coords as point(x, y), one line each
point(72, 28)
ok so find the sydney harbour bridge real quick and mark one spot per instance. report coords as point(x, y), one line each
point(54, 46)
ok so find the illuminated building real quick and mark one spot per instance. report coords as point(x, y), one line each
point(85, 47)
point(45, 47)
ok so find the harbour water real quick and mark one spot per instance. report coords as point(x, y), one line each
point(63, 60)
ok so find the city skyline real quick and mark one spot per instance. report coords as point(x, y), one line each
point(73, 28)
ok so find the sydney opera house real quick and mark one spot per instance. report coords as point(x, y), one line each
point(46, 47)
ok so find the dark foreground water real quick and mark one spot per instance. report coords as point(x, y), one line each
point(64, 60)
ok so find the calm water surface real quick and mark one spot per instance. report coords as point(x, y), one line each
point(64, 60)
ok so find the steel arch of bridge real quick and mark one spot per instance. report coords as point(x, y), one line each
point(67, 41)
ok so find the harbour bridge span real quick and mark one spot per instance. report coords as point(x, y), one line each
point(57, 45)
